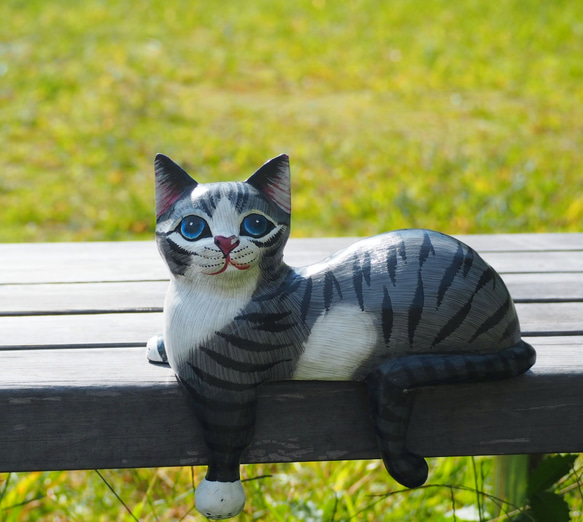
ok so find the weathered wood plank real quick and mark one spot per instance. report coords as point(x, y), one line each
point(139, 260)
point(64, 409)
point(87, 408)
point(137, 328)
point(149, 295)
point(82, 297)
point(79, 330)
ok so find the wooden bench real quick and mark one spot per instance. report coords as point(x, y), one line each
point(76, 391)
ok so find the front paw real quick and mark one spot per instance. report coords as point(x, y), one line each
point(219, 500)
point(155, 350)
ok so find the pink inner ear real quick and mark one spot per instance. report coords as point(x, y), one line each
point(273, 179)
point(165, 199)
point(171, 183)
point(280, 194)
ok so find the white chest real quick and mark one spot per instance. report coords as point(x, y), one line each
point(192, 316)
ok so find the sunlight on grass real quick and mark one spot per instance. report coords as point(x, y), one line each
point(319, 492)
point(465, 119)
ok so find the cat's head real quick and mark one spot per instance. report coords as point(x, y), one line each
point(229, 230)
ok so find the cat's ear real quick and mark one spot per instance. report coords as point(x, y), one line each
point(171, 183)
point(273, 179)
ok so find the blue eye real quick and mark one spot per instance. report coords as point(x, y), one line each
point(256, 225)
point(194, 227)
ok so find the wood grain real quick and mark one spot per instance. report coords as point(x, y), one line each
point(76, 391)
point(78, 409)
point(139, 260)
point(69, 298)
point(135, 328)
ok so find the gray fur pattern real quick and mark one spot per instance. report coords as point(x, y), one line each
point(399, 310)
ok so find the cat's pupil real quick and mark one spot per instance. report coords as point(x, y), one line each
point(256, 225)
point(193, 227)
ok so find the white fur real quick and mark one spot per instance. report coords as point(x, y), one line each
point(194, 313)
point(152, 352)
point(339, 342)
point(219, 500)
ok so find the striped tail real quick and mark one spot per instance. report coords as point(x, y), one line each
point(391, 401)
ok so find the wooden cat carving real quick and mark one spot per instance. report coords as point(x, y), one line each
point(398, 311)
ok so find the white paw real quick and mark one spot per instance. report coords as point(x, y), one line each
point(155, 350)
point(219, 500)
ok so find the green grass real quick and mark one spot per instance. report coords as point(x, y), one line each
point(463, 116)
point(459, 489)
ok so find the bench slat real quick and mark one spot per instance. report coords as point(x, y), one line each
point(137, 328)
point(108, 408)
point(79, 297)
point(140, 261)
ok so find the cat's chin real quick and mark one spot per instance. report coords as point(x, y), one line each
point(229, 279)
point(229, 265)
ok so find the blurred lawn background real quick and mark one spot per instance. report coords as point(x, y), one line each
point(463, 116)
point(460, 116)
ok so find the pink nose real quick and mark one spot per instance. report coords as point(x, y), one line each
point(227, 244)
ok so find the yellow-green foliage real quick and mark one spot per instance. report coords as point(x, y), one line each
point(461, 116)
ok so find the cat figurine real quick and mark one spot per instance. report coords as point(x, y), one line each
point(398, 311)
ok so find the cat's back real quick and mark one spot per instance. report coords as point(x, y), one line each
point(422, 291)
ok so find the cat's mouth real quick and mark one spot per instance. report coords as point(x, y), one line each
point(229, 261)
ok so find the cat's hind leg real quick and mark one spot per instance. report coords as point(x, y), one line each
point(391, 399)
point(156, 351)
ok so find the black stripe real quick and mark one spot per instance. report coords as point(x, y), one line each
point(220, 383)
point(449, 274)
point(203, 203)
point(226, 445)
point(239, 366)
point(451, 370)
point(267, 322)
point(454, 323)
point(228, 448)
point(251, 346)
point(389, 419)
point(509, 364)
point(175, 248)
point(426, 373)
point(212, 201)
point(468, 261)
point(357, 281)
point(270, 242)
point(493, 366)
point(487, 275)
point(493, 320)
point(242, 196)
point(387, 316)
point(330, 282)
point(416, 308)
point(366, 268)
point(402, 249)
point(512, 329)
point(392, 251)
point(473, 369)
point(178, 258)
point(288, 286)
point(392, 264)
point(218, 404)
point(305, 306)
point(426, 249)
